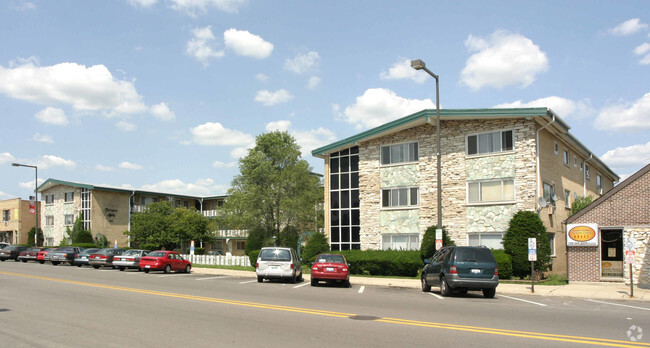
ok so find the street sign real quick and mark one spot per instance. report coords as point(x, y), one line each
point(438, 244)
point(629, 257)
point(438, 238)
point(32, 205)
point(629, 243)
point(532, 249)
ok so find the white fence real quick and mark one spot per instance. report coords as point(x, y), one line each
point(218, 260)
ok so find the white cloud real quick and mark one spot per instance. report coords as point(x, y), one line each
point(643, 50)
point(626, 119)
point(269, 98)
point(378, 106)
point(104, 168)
point(635, 156)
point(129, 165)
point(3, 195)
point(240, 152)
point(501, 60)
point(201, 187)
point(42, 138)
point(262, 77)
point(161, 111)
point(198, 7)
point(282, 126)
point(219, 164)
point(313, 82)
point(628, 27)
point(142, 3)
point(244, 43)
point(52, 116)
point(125, 126)
point(88, 89)
point(30, 184)
point(201, 47)
point(306, 139)
point(24, 6)
point(214, 133)
point(303, 63)
point(49, 161)
point(562, 106)
point(6, 157)
point(402, 70)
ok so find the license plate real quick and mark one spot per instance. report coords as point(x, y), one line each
point(329, 269)
point(147, 266)
point(275, 267)
point(96, 257)
point(476, 271)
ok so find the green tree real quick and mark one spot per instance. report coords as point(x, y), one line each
point(30, 237)
point(275, 190)
point(316, 244)
point(79, 234)
point(524, 225)
point(256, 240)
point(580, 203)
point(428, 245)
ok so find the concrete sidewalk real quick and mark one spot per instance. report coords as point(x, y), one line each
point(602, 291)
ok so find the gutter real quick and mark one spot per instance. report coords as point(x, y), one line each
point(128, 240)
point(539, 175)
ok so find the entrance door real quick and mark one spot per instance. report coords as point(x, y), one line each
point(611, 253)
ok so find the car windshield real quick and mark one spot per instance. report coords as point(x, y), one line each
point(90, 251)
point(133, 252)
point(330, 258)
point(65, 249)
point(157, 254)
point(474, 255)
point(275, 255)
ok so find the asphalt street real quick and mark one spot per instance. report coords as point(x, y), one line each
point(47, 306)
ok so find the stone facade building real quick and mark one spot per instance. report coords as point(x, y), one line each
point(16, 221)
point(620, 217)
point(381, 190)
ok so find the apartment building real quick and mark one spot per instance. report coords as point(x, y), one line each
point(381, 190)
point(17, 220)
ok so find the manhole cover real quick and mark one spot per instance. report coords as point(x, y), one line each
point(363, 317)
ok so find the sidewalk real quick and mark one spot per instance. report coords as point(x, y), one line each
point(596, 291)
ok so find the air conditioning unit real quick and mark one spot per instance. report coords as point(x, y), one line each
point(551, 209)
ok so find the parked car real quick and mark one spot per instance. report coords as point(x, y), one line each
point(330, 267)
point(29, 254)
point(104, 257)
point(461, 268)
point(42, 255)
point(166, 261)
point(130, 259)
point(3, 244)
point(11, 252)
point(82, 258)
point(64, 254)
point(278, 263)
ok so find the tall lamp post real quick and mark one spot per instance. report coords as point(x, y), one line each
point(35, 197)
point(420, 65)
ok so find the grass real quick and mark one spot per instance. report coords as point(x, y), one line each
point(551, 280)
point(235, 268)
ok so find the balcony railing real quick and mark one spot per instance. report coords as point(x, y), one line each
point(231, 233)
point(206, 213)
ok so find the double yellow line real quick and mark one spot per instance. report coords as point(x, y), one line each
point(474, 329)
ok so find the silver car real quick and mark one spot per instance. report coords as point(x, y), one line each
point(130, 259)
point(278, 263)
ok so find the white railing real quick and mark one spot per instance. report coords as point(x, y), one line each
point(218, 260)
point(231, 233)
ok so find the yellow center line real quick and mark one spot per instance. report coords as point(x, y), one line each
point(475, 329)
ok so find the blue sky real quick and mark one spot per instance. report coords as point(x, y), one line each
point(167, 95)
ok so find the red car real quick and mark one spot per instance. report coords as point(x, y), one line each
point(29, 254)
point(41, 255)
point(330, 267)
point(166, 261)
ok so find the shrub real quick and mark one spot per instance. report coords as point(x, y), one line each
point(504, 262)
point(151, 247)
point(252, 255)
point(404, 263)
point(255, 240)
point(85, 245)
point(30, 237)
point(84, 236)
point(316, 244)
point(524, 225)
point(428, 245)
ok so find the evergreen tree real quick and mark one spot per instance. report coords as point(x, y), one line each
point(524, 225)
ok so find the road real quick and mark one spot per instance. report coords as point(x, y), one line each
point(63, 306)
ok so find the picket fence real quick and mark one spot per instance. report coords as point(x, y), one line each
point(218, 260)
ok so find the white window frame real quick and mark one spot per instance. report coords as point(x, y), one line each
point(481, 182)
point(480, 237)
point(413, 241)
point(551, 242)
point(49, 220)
point(551, 193)
point(556, 147)
point(478, 149)
point(567, 199)
point(69, 222)
point(49, 199)
point(567, 160)
point(410, 158)
point(409, 197)
point(68, 197)
point(599, 181)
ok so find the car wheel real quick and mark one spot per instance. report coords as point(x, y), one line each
point(24, 261)
point(489, 293)
point(16, 259)
point(425, 286)
point(3, 260)
point(122, 268)
point(346, 284)
point(95, 267)
point(146, 270)
point(314, 282)
point(168, 269)
point(462, 292)
point(40, 261)
point(444, 287)
point(187, 269)
point(300, 277)
point(260, 279)
point(293, 279)
point(78, 265)
point(54, 263)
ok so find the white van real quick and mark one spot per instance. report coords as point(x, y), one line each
point(278, 263)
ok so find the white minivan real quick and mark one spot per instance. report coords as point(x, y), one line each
point(278, 263)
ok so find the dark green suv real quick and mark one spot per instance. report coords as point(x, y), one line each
point(461, 268)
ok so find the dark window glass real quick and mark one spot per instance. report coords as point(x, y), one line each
point(354, 149)
point(334, 218)
point(471, 145)
point(385, 155)
point(335, 247)
point(345, 152)
point(354, 198)
point(385, 198)
point(413, 152)
point(355, 217)
point(334, 235)
point(414, 196)
point(345, 218)
point(334, 154)
point(507, 140)
point(345, 164)
point(334, 165)
point(334, 181)
point(334, 200)
point(345, 246)
point(345, 181)
point(356, 234)
point(356, 246)
point(345, 235)
point(354, 180)
point(345, 199)
point(354, 163)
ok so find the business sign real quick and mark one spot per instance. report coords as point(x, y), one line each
point(32, 205)
point(582, 235)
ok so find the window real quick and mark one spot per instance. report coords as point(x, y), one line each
point(49, 199)
point(581, 165)
point(587, 171)
point(490, 142)
point(575, 160)
point(146, 200)
point(345, 216)
point(6, 215)
point(240, 245)
point(85, 207)
point(491, 191)
point(399, 153)
point(69, 197)
point(400, 241)
point(399, 197)
point(49, 220)
point(551, 242)
point(69, 219)
point(566, 157)
point(567, 199)
point(599, 181)
point(556, 148)
point(492, 240)
point(549, 193)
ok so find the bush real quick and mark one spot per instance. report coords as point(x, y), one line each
point(428, 246)
point(84, 245)
point(405, 263)
point(524, 225)
point(252, 255)
point(84, 236)
point(151, 247)
point(316, 244)
point(197, 251)
point(504, 262)
point(30, 237)
point(255, 240)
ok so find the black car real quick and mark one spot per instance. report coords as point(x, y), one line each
point(461, 268)
point(11, 252)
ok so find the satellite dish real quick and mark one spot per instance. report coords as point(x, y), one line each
point(554, 198)
point(542, 202)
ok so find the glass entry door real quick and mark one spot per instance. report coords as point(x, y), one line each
point(611, 253)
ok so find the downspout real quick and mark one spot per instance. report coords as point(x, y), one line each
point(201, 202)
point(584, 176)
point(129, 236)
point(539, 173)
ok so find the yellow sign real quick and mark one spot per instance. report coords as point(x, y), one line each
point(582, 235)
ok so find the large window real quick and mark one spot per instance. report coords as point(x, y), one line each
point(345, 220)
point(85, 207)
point(68, 219)
point(69, 197)
point(400, 241)
point(551, 241)
point(6, 215)
point(49, 220)
point(492, 240)
point(491, 191)
point(400, 197)
point(49, 199)
point(549, 193)
point(490, 142)
point(399, 153)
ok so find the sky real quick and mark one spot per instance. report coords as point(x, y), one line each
point(168, 95)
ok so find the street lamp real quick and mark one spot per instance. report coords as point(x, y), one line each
point(418, 64)
point(35, 197)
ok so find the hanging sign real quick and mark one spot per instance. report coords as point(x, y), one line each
point(582, 235)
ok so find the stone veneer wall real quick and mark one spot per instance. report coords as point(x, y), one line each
point(58, 210)
point(457, 169)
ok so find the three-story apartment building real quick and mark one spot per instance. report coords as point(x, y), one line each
point(16, 220)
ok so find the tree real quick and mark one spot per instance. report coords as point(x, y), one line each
point(428, 245)
point(316, 244)
point(275, 190)
point(524, 225)
point(30, 237)
point(79, 234)
point(580, 203)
